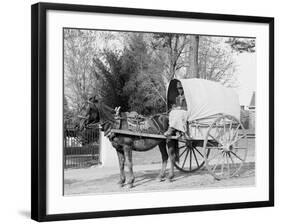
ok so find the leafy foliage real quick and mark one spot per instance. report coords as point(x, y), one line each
point(170, 49)
point(127, 78)
point(215, 61)
point(107, 70)
point(79, 48)
point(132, 70)
point(242, 44)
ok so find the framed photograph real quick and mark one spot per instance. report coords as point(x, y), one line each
point(139, 111)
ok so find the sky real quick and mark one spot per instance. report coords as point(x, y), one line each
point(246, 76)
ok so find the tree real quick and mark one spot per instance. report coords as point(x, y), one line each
point(242, 44)
point(169, 48)
point(110, 78)
point(145, 87)
point(215, 60)
point(130, 78)
point(67, 114)
point(131, 70)
point(79, 48)
point(193, 57)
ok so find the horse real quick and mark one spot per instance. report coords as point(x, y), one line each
point(99, 113)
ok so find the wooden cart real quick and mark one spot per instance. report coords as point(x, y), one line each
point(217, 141)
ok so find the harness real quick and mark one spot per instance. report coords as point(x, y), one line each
point(134, 122)
point(138, 123)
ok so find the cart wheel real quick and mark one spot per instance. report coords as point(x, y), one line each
point(191, 157)
point(225, 147)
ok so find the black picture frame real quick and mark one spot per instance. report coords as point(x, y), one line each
point(39, 108)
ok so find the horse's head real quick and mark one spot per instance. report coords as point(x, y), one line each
point(89, 114)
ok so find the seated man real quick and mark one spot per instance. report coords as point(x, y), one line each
point(178, 114)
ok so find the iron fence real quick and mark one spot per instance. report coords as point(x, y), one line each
point(81, 148)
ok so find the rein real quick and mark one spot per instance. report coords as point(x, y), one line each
point(95, 124)
point(109, 120)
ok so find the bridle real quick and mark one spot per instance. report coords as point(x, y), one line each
point(100, 123)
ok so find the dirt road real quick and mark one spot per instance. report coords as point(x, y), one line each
point(98, 180)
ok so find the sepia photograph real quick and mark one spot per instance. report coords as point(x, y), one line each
point(156, 112)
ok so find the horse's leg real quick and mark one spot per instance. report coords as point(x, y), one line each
point(163, 150)
point(128, 155)
point(121, 159)
point(171, 152)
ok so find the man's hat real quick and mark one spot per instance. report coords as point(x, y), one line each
point(179, 85)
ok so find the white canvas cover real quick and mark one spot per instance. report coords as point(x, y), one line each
point(206, 98)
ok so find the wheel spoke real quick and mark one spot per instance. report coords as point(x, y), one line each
point(214, 168)
point(235, 132)
point(222, 166)
point(228, 167)
point(230, 158)
point(224, 132)
point(245, 135)
point(190, 159)
point(185, 158)
point(236, 156)
point(198, 152)
point(183, 152)
point(240, 148)
point(232, 161)
point(181, 147)
point(195, 158)
point(229, 135)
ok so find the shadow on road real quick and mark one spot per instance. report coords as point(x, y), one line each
point(146, 180)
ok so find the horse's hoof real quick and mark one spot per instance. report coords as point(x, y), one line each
point(121, 183)
point(129, 186)
point(160, 179)
point(170, 179)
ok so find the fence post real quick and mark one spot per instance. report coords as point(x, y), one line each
point(100, 133)
point(108, 155)
point(64, 146)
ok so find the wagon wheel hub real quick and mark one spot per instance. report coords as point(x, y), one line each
point(227, 148)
